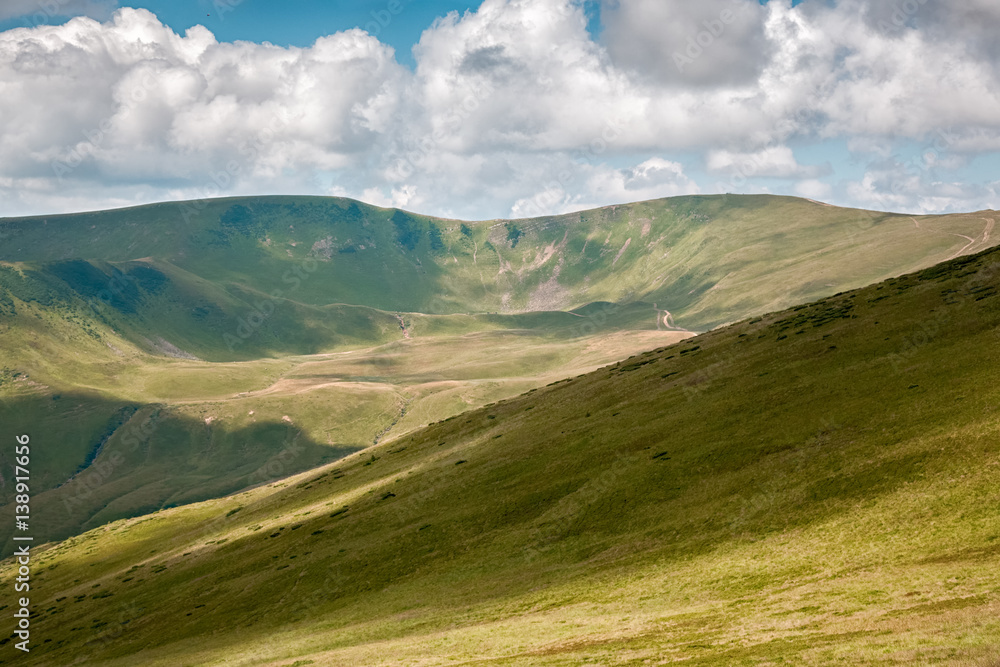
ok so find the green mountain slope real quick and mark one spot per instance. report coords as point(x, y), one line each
point(126, 433)
point(817, 486)
point(199, 275)
point(200, 312)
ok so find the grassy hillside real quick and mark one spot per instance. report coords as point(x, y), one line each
point(205, 310)
point(87, 361)
point(137, 433)
point(174, 353)
point(813, 487)
point(191, 272)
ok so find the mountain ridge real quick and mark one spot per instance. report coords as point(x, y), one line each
point(241, 257)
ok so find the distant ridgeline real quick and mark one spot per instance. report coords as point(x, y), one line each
point(249, 277)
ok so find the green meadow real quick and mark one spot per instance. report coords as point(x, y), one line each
point(816, 486)
point(290, 431)
point(174, 352)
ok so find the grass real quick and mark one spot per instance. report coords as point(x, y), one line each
point(709, 260)
point(812, 487)
point(206, 313)
point(211, 311)
point(199, 430)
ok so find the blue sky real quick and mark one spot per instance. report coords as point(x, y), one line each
point(300, 22)
point(835, 100)
point(295, 23)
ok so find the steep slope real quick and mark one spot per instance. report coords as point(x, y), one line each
point(200, 311)
point(135, 433)
point(817, 486)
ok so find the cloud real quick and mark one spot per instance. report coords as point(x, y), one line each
point(709, 42)
point(539, 79)
point(651, 179)
point(509, 105)
point(813, 189)
point(862, 80)
point(398, 198)
point(771, 162)
point(130, 101)
point(917, 185)
point(972, 23)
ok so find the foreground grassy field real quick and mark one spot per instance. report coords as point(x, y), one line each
point(150, 432)
point(813, 487)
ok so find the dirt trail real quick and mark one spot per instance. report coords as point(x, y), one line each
point(971, 242)
point(291, 387)
point(984, 239)
point(989, 229)
point(665, 318)
point(402, 413)
point(402, 325)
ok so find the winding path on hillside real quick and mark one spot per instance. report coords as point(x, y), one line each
point(983, 239)
point(667, 319)
point(313, 373)
point(989, 229)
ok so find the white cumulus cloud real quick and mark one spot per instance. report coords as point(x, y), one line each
point(771, 162)
point(509, 105)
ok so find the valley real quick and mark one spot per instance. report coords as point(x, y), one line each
point(813, 485)
point(235, 341)
point(601, 436)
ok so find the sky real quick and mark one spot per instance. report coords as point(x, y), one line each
point(500, 108)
